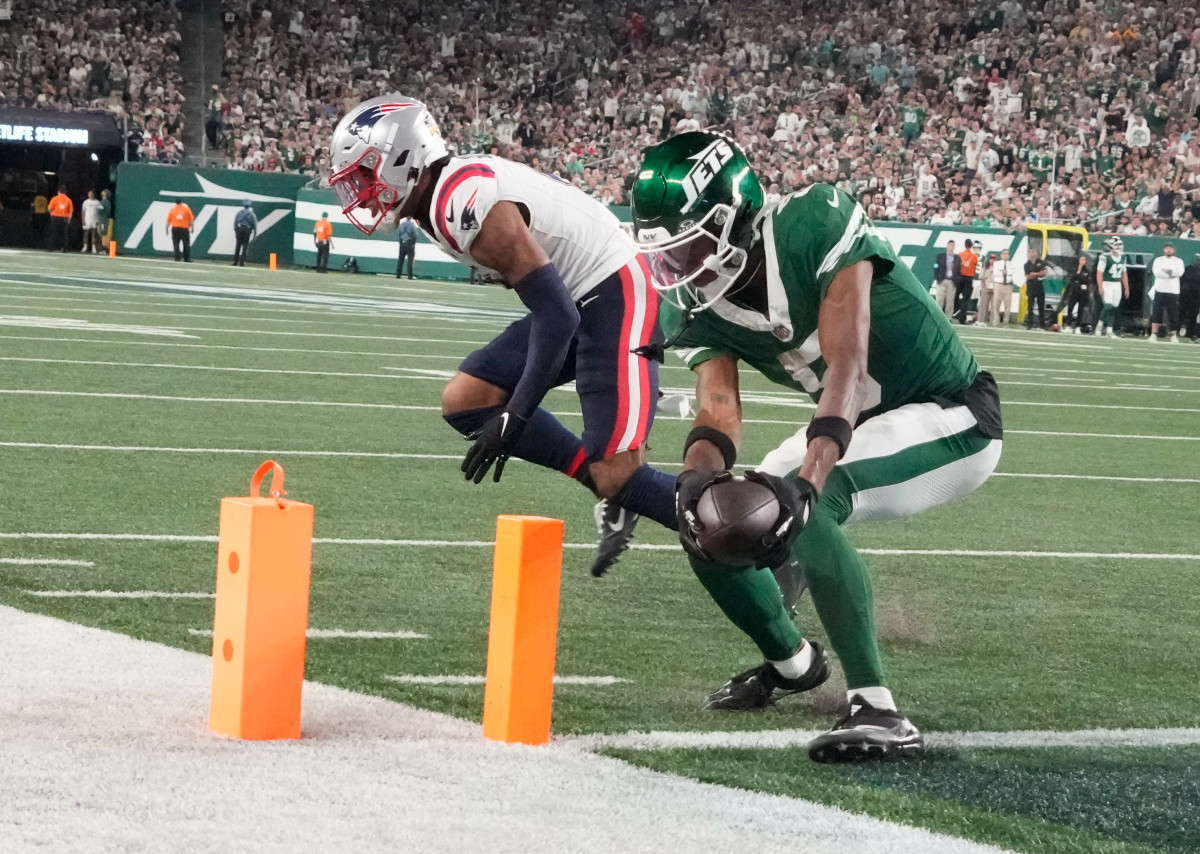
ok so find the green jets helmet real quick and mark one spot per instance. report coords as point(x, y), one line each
point(694, 201)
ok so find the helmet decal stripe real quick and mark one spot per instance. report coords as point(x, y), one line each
point(452, 183)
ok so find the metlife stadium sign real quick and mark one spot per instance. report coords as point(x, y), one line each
point(32, 133)
point(76, 128)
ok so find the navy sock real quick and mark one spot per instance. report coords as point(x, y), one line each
point(545, 441)
point(650, 493)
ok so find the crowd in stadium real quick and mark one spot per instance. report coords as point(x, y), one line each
point(998, 114)
point(119, 57)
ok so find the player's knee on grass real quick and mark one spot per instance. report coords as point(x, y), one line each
point(612, 473)
point(465, 393)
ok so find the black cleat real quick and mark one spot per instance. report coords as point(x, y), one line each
point(867, 733)
point(763, 686)
point(616, 530)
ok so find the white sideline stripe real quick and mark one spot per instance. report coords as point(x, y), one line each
point(465, 679)
point(251, 400)
point(352, 404)
point(1103, 435)
point(774, 739)
point(649, 547)
point(115, 594)
point(38, 561)
point(307, 350)
point(337, 634)
point(1041, 476)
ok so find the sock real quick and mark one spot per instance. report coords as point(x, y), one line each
point(797, 665)
point(545, 442)
point(650, 493)
point(841, 585)
point(876, 695)
point(750, 599)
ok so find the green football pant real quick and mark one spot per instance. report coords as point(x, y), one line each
point(899, 463)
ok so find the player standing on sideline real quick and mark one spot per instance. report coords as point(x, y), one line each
point(245, 227)
point(323, 240)
point(592, 309)
point(808, 293)
point(1112, 281)
point(179, 226)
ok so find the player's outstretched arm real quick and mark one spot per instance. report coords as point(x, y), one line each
point(843, 326)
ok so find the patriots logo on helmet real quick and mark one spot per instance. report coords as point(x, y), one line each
point(361, 126)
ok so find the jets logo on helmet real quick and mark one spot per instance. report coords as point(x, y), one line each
point(694, 204)
point(708, 164)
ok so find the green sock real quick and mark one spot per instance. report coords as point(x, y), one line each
point(751, 600)
point(841, 588)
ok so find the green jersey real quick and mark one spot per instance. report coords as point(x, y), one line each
point(912, 119)
point(913, 354)
point(1112, 269)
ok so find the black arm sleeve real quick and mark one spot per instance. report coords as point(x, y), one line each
point(555, 320)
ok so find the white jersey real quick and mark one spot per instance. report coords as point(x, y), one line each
point(582, 238)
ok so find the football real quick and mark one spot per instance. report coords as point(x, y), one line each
point(736, 514)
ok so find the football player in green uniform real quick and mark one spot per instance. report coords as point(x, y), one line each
point(808, 293)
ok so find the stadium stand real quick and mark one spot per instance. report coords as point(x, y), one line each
point(993, 114)
point(102, 55)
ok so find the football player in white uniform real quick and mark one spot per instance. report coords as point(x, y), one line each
point(593, 312)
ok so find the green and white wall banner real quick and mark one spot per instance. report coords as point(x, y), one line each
point(375, 254)
point(146, 192)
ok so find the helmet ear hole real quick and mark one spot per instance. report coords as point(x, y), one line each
point(401, 159)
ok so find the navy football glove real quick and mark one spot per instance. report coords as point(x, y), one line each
point(688, 487)
point(796, 497)
point(494, 443)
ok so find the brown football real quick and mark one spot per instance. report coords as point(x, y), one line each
point(736, 514)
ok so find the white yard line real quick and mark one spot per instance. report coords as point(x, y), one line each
point(254, 401)
point(1102, 435)
point(82, 706)
point(115, 594)
point(40, 561)
point(431, 543)
point(340, 634)
point(794, 738)
point(464, 679)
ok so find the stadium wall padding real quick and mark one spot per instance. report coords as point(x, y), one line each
point(146, 192)
point(375, 254)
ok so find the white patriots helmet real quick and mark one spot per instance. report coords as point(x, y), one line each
point(378, 153)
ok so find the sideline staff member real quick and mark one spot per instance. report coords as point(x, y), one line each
point(1035, 290)
point(323, 237)
point(179, 224)
point(61, 210)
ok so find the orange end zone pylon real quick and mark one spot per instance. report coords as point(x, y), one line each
point(274, 261)
point(112, 249)
point(519, 692)
point(263, 564)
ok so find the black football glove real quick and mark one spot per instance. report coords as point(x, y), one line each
point(494, 443)
point(796, 497)
point(688, 487)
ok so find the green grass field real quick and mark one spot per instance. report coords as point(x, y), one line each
point(1062, 595)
